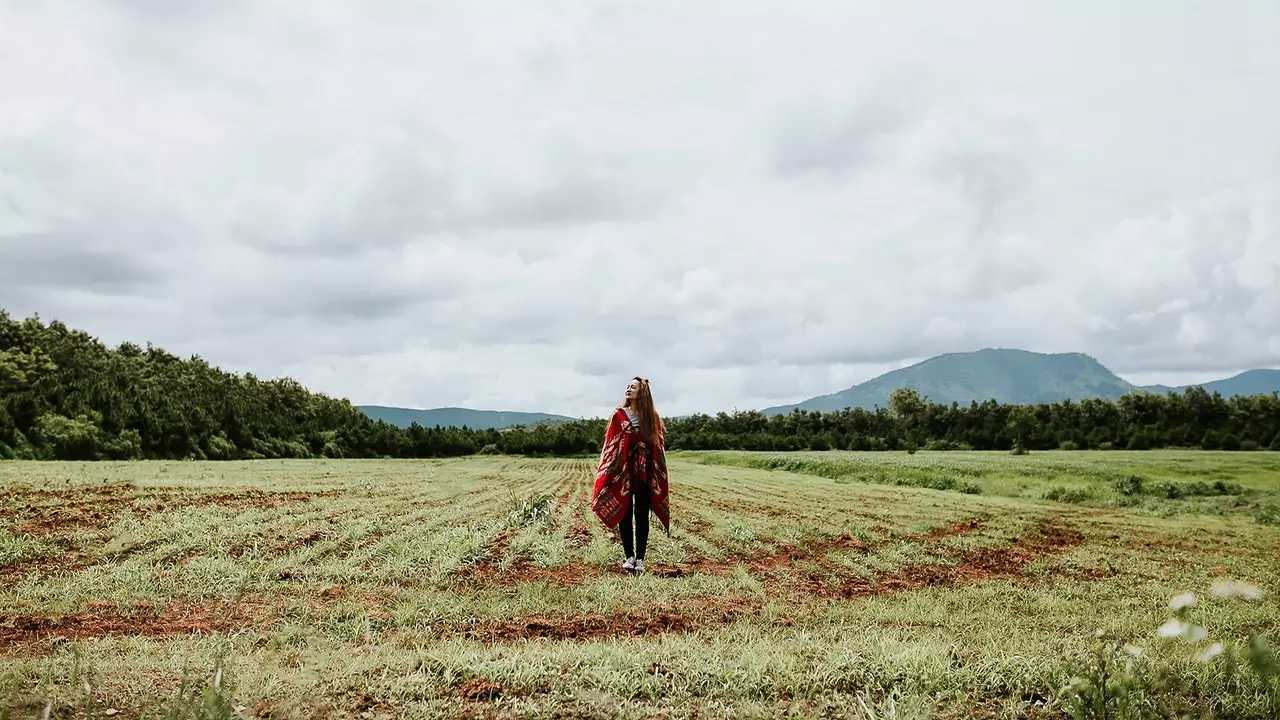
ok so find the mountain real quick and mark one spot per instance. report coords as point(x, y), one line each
point(1249, 382)
point(1008, 376)
point(458, 417)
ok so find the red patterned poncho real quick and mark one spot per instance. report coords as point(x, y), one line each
point(626, 459)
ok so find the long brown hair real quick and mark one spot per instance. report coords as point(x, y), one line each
point(650, 423)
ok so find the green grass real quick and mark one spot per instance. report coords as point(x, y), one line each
point(1161, 482)
point(793, 584)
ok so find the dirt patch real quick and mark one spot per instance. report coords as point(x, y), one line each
point(255, 499)
point(962, 527)
point(693, 614)
point(61, 512)
point(477, 689)
point(758, 564)
point(486, 567)
point(66, 511)
point(971, 566)
point(46, 565)
point(591, 626)
point(578, 533)
point(100, 619)
point(741, 507)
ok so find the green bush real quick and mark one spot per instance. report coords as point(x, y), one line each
point(64, 438)
point(125, 446)
point(1068, 495)
point(1268, 514)
point(220, 447)
point(1131, 485)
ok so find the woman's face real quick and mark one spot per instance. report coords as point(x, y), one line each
point(633, 388)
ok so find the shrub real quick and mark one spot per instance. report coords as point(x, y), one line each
point(220, 447)
point(1068, 495)
point(946, 445)
point(67, 438)
point(125, 446)
point(1131, 485)
point(1068, 445)
point(1268, 515)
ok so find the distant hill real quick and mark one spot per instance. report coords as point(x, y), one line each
point(458, 417)
point(1249, 382)
point(1008, 376)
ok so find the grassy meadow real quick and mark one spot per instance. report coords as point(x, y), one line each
point(792, 585)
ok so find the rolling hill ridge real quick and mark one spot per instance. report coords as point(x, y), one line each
point(1008, 376)
point(458, 417)
point(1004, 375)
point(1249, 382)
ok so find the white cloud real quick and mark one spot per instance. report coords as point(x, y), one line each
point(522, 206)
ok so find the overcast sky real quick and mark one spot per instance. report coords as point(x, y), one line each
point(520, 205)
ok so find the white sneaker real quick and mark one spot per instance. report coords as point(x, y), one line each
point(629, 564)
point(639, 566)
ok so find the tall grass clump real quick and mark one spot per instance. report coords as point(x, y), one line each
point(1187, 671)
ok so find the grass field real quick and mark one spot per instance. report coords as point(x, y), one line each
point(806, 585)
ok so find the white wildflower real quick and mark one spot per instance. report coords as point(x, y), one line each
point(1236, 589)
point(1210, 653)
point(1185, 600)
point(1133, 650)
point(1173, 628)
point(1195, 634)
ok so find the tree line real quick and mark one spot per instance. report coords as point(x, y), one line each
point(65, 395)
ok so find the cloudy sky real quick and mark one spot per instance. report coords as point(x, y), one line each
point(520, 205)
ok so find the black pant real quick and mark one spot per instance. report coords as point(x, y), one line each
point(640, 507)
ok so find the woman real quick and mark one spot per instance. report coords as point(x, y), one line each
point(631, 478)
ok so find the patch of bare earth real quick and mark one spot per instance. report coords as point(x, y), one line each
point(975, 565)
point(68, 561)
point(742, 507)
point(90, 508)
point(478, 689)
point(105, 619)
point(577, 534)
point(703, 612)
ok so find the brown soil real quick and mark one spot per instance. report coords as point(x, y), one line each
point(578, 534)
point(85, 511)
point(593, 626)
point(487, 567)
point(64, 562)
point(254, 498)
point(991, 563)
point(477, 689)
point(784, 557)
point(101, 619)
point(741, 507)
point(54, 512)
point(962, 527)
